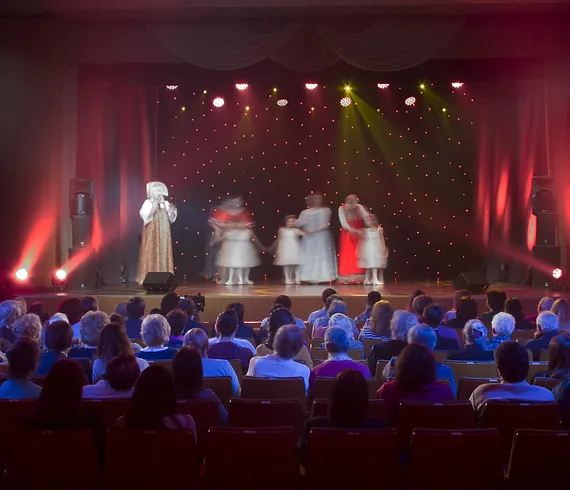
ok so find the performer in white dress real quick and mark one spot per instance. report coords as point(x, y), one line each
point(156, 243)
point(372, 252)
point(238, 253)
point(318, 258)
point(288, 253)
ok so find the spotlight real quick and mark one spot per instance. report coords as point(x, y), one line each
point(383, 86)
point(247, 108)
point(218, 102)
point(274, 89)
point(59, 280)
point(422, 86)
point(311, 86)
point(457, 84)
point(242, 86)
point(347, 88)
point(557, 273)
point(60, 274)
point(345, 101)
point(282, 102)
point(21, 275)
point(410, 101)
point(172, 87)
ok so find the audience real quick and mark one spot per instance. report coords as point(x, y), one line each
point(347, 324)
point(189, 378)
point(59, 336)
point(558, 358)
point(323, 321)
point(91, 325)
point(168, 303)
point(135, 314)
point(177, 320)
point(420, 303)
point(503, 325)
point(23, 358)
point(10, 311)
point(153, 405)
point(546, 330)
point(337, 343)
point(447, 338)
point(71, 308)
point(401, 323)
point(286, 302)
point(118, 319)
point(198, 340)
point(512, 366)
point(282, 316)
point(545, 304)
point(561, 308)
point(335, 308)
point(225, 345)
point(87, 304)
point(467, 310)
point(415, 380)
point(457, 297)
point(286, 345)
point(415, 294)
point(119, 380)
point(378, 328)
point(475, 334)
point(188, 306)
point(121, 310)
point(371, 299)
point(113, 342)
point(324, 310)
point(243, 331)
point(495, 303)
point(155, 332)
point(29, 326)
point(514, 307)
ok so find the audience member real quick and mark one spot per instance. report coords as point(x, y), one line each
point(155, 332)
point(10, 311)
point(91, 325)
point(153, 406)
point(447, 338)
point(415, 294)
point(420, 303)
point(88, 303)
point(415, 379)
point(189, 378)
point(113, 342)
point(561, 308)
point(546, 330)
point(286, 345)
point(58, 340)
point(347, 324)
point(243, 331)
point(119, 380)
point(337, 343)
point(378, 328)
point(40, 309)
point(321, 325)
point(467, 310)
point(71, 308)
point(168, 303)
point(279, 317)
point(188, 306)
point(121, 310)
point(323, 311)
point(558, 358)
point(400, 325)
point(29, 326)
point(495, 303)
point(118, 319)
point(155, 311)
point(286, 302)
point(23, 358)
point(371, 299)
point(225, 345)
point(513, 306)
point(23, 304)
point(475, 334)
point(457, 297)
point(502, 326)
point(545, 304)
point(512, 365)
point(56, 317)
point(135, 313)
point(177, 320)
point(198, 339)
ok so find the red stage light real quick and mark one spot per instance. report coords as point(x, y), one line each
point(242, 86)
point(457, 84)
point(557, 273)
point(345, 101)
point(383, 86)
point(218, 102)
point(282, 102)
point(21, 275)
point(411, 101)
point(311, 86)
point(60, 275)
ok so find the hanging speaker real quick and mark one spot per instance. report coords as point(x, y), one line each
point(543, 196)
point(160, 282)
point(81, 197)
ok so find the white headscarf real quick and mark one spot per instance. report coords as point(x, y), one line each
point(155, 184)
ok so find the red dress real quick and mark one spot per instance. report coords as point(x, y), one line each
point(348, 244)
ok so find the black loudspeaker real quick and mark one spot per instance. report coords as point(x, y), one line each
point(550, 257)
point(160, 282)
point(474, 282)
point(543, 196)
point(546, 226)
point(81, 227)
point(85, 275)
point(81, 197)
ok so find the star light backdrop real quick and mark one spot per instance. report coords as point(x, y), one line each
point(405, 149)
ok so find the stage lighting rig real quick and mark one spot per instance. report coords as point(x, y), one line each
point(21, 274)
point(59, 280)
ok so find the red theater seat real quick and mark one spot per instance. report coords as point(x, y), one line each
point(266, 413)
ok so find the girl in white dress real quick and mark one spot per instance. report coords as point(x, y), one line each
point(238, 253)
point(288, 253)
point(372, 252)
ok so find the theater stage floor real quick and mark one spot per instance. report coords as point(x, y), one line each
point(306, 298)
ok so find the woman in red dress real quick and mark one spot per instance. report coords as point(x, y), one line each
point(351, 215)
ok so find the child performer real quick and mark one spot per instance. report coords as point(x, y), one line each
point(238, 253)
point(288, 253)
point(373, 253)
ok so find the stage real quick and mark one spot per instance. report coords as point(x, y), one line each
point(306, 298)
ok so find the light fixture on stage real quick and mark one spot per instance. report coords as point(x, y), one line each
point(59, 280)
point(218, 102)
point(557, 273)
point(558, 280)
point(282, 102)
point(21, 274)
point(383, 86)
point(242, 86)
point(345, 101)
point(457, 84)
point(410, 101)
point(172, 87)
point(347, 88)
point(311, 86)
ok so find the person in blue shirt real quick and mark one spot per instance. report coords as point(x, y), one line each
point(135, 313)
point(59, 336)
point(155, 333)
point(188, 307)
point(23, 358)
point(372, 298)
point(323, 311)
point(177, 321)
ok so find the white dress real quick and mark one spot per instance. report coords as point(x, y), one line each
point(372, 251)
point(318, 256)
point(288, 247)
point(238, 250)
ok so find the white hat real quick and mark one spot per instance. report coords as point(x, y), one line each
point(155, 184)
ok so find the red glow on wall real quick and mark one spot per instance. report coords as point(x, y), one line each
point(37, 239)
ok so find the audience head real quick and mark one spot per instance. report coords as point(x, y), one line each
point(503, 324)
point(349, 399)
point(155, 311)
point(284, 301)
point(372, 298)
point(23, 358)
point(122, 372)
point(136, 307)
point(513, 306)
point(155, 331)
point(326, 293)
point(423, 334)
point(116, 318)
point(496, 299)
point(420, 303)
point(401, 323)
point(381, 317)
point(512, 361)
point(342, 321)
point(70, 307)
point(336, 340)
point(559, 355)
point(331, 298)
point(415, 294)
point(547, 322)
point(227, 323)
point(177, 320)
point(239, 308)
point(59, 336)
point(39, 308)
point(474, 332)
point(336, 307)
point(113, 342)
point(168, 303)
point(415, 366)
point(23, 304)
point(188, 373)
point(29, 326)
point(288, 341)
point(188, 306)
point(466, 311)
point(121, 310)
point(10, 311)
point(278, 317)
point(433, 315)
point(91, 325)
point(59, 317)
point(545, 304)
point(561, 308)
point(458, 296)
point(197, 339)
point(88, 303)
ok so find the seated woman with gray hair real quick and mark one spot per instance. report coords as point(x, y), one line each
point(503, 325)
point(155, 332)
point(29, 326)
point(10, 311)
point(337, 343)
point(90, 328)
point(336, 307)
point(475, 334)
point(286, 345)
point(342, 321)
